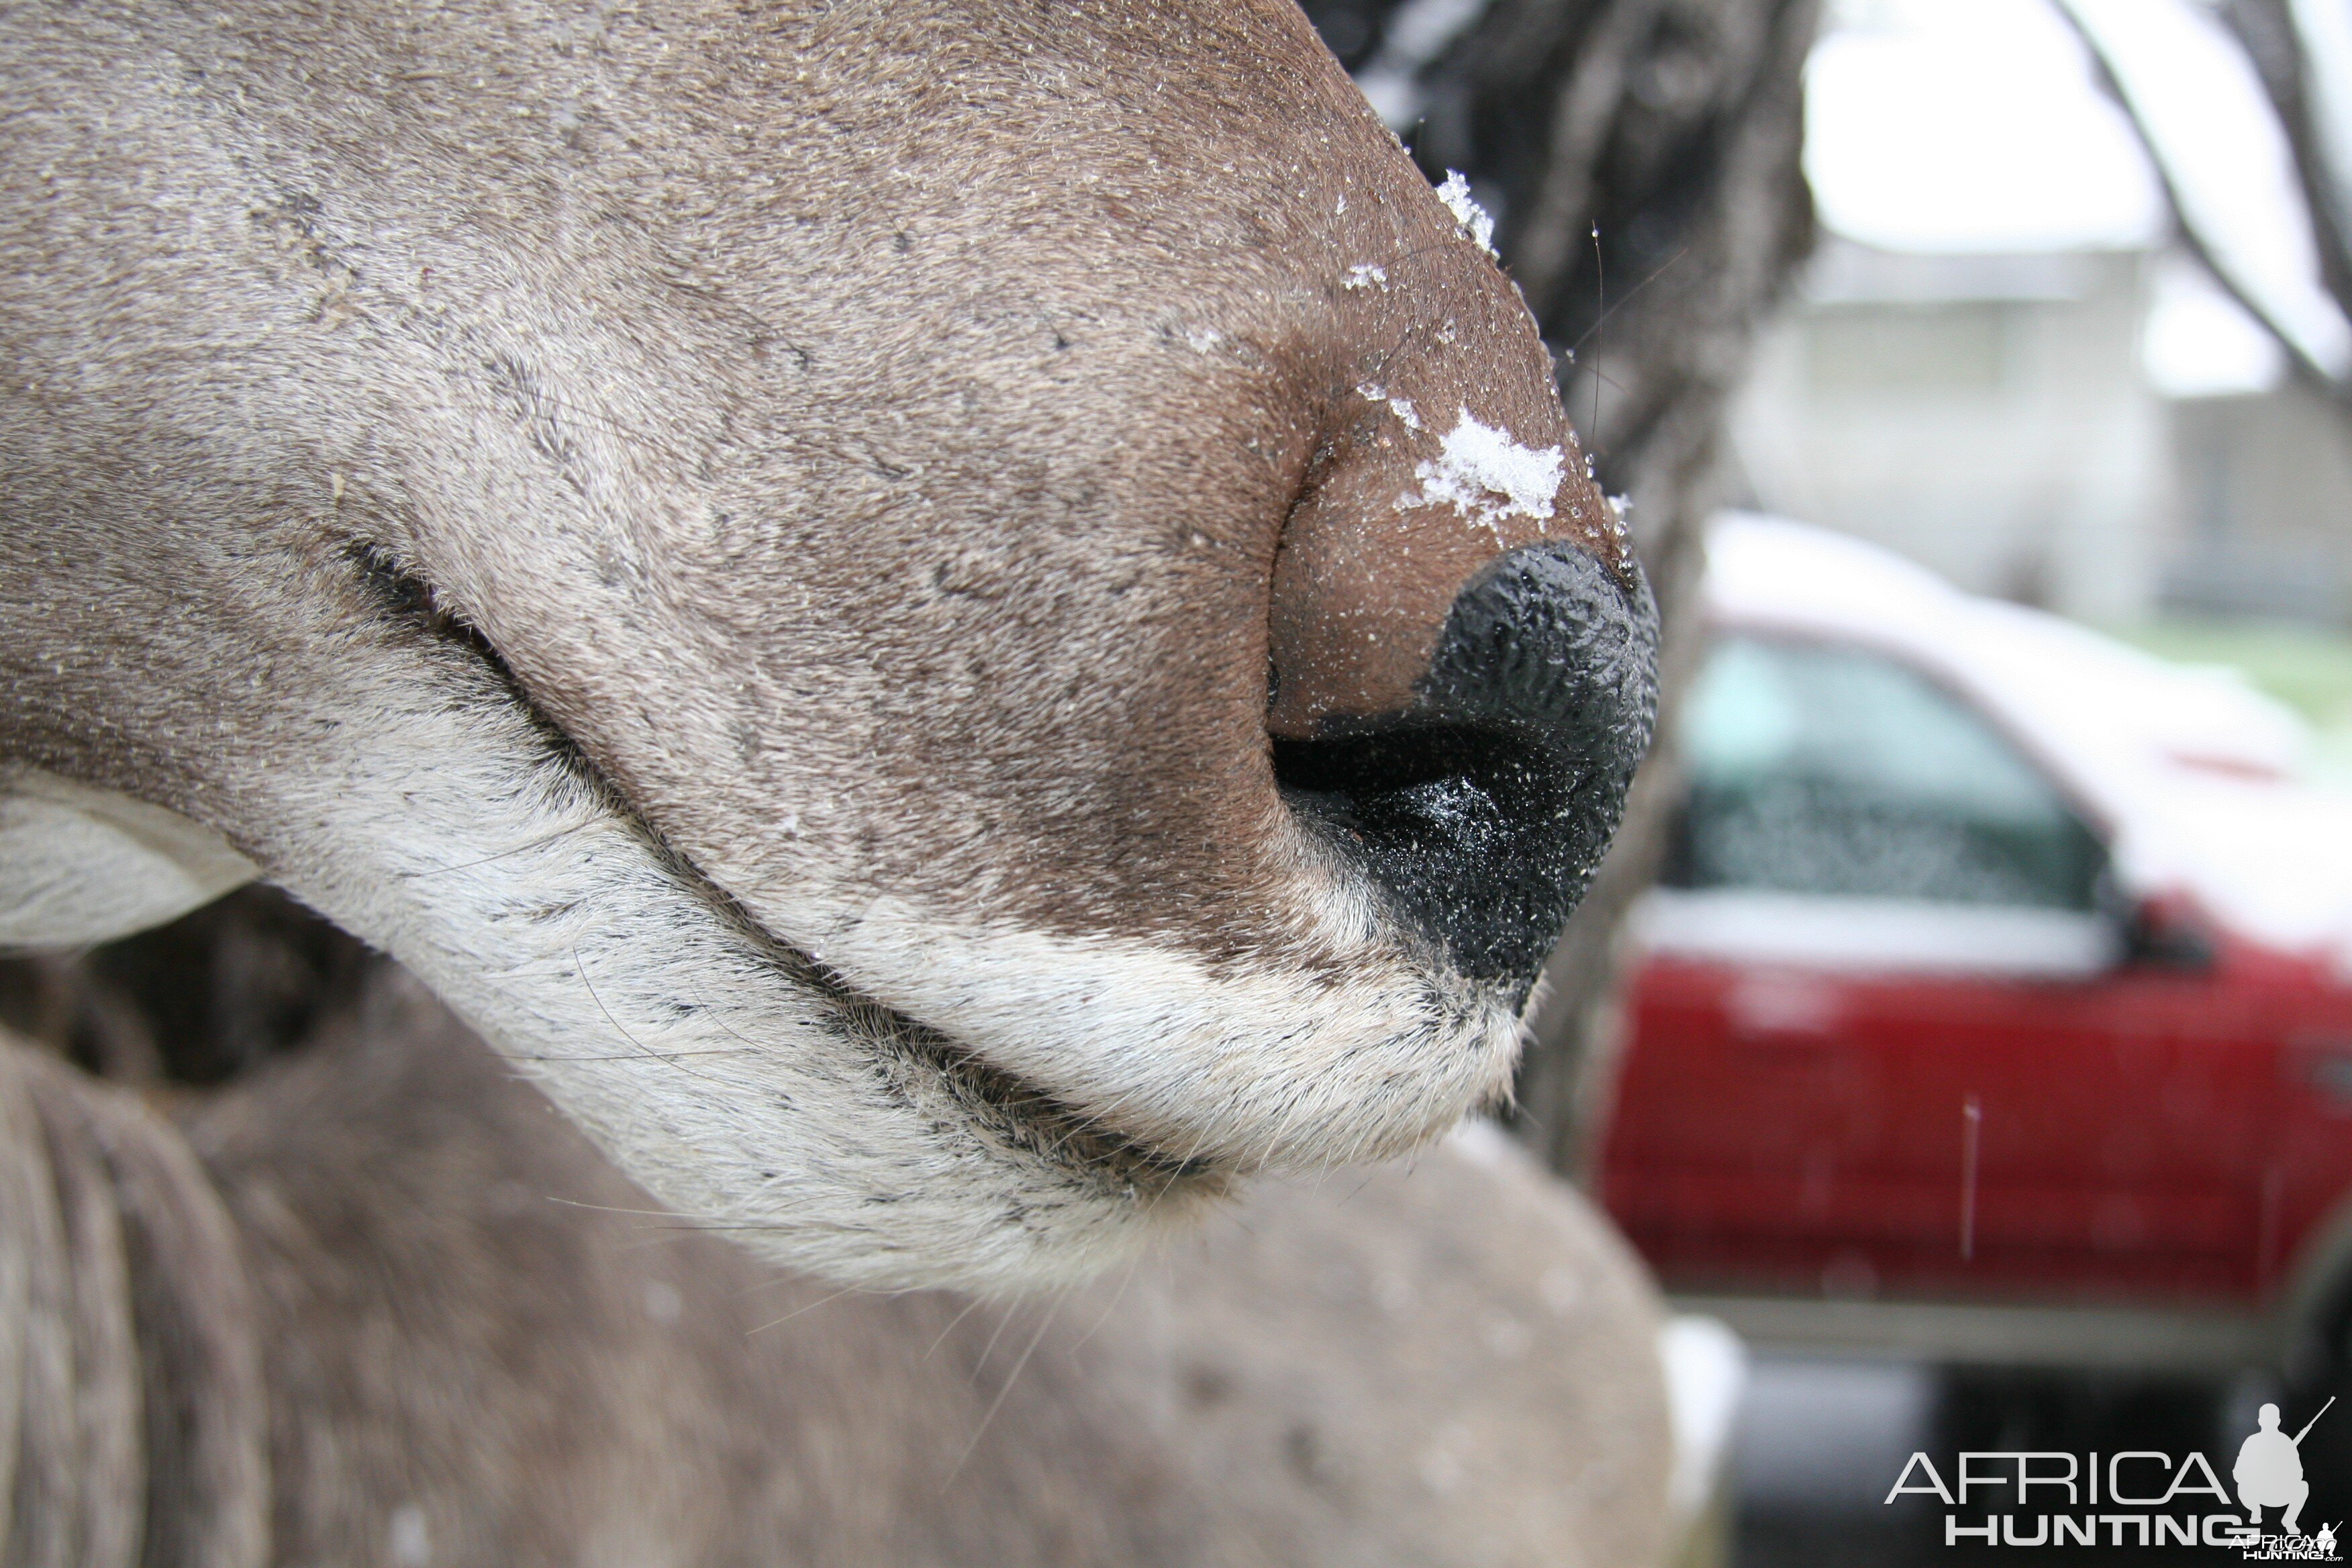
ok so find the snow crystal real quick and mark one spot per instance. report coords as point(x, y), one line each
point(1455, 194)
point(1364, 275)
point(1373, 392)
point(1487, 477)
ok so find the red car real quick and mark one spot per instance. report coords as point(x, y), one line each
point(1996, 1004)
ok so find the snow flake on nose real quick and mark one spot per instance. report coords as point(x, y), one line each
point(1373, 392)
point(1474, 220)
point(1487, 477)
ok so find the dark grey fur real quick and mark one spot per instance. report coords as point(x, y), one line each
point(380, 1305)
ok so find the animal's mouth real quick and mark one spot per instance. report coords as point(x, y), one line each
point(945, 1081)
point(1018, 1119)
point(938, 1077)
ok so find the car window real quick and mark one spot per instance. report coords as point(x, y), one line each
point(1819, 769)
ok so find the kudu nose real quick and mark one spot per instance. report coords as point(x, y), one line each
point(1478, 789)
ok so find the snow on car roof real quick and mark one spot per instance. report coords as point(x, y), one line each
point(2191, 771)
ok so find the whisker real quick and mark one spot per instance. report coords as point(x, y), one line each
point(813, 1306)
point(634, 1057)
point(608, 1208)
point(1601, 297)
point(1133, 1262)
point(970, 1306)
point(990, 1347)
point(1602, 320)
point(998, 1403)
point(539, 843)
point(591, 985)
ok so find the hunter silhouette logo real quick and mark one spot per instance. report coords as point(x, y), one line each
point(2134, 1498)
point(2269, 1471)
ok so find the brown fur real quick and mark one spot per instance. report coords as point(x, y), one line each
point(696, 523)
point(842, 360)
point(746, 546)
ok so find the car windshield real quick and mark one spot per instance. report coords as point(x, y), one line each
point(1819, 769)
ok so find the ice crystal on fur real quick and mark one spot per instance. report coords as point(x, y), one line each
point(1487, 477)
point(1402, 407)
point(1474, 220)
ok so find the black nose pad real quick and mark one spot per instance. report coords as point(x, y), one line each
point(1481, 809)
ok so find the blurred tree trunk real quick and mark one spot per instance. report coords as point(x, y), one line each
point(1640, 160)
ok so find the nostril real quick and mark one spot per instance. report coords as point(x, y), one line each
point(1436, 813)
point(1451, 822)
point(1421, 793)
point(1379, 759)
point(1481, 808)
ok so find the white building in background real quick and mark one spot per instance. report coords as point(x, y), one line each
point(1996, 366)
point(1981, 414)
point(2266, 502)
point(2261, 466)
